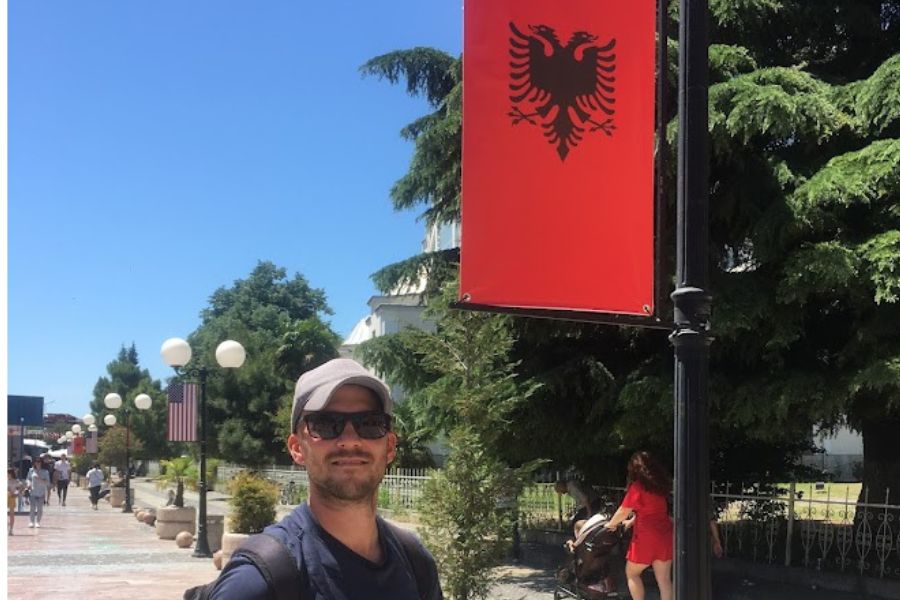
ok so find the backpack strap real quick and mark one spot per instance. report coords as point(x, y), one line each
point(417, 557)
point(275, 563)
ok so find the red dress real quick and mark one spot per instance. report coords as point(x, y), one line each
point(652, 538)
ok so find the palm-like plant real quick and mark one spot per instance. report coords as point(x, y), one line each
point(179, 471)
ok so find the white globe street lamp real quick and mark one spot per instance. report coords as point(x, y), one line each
point(109, 420)
point(177, 354)
point(88, 419)
point(112, 402)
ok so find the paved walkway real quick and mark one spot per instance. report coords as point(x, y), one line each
point(108, 555)
point(103, 555)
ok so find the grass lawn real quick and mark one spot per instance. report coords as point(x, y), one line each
point(836, 492)
point(811, 505)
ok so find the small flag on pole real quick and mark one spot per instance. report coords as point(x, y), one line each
point(182, 412)
point(91, 442)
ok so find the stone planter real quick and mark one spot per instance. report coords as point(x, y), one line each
point(230, 543)
point(170, 520)
point(215, 529)
point(116, 497)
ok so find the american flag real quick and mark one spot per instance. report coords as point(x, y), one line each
point(182, 412)
point(91, 446)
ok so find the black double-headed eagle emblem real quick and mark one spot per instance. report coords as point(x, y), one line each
point(577, 80)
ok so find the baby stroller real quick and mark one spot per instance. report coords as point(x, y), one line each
point(586, 573)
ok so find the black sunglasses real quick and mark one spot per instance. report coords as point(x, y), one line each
point(369, 425)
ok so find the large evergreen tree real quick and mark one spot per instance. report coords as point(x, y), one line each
point(278, 320)
point(126, 378)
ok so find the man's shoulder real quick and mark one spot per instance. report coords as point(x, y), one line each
point(242, 579)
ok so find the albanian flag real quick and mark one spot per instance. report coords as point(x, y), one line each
point(558, 155)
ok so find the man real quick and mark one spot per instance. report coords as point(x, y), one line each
point(95, 480)
point(63, 470)
point(341, 432)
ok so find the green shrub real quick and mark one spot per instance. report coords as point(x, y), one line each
point(81, 464)
point(253, 501)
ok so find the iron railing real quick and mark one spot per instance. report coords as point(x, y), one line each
point(799, 524)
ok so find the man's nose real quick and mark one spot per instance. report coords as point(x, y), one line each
point(348, 434)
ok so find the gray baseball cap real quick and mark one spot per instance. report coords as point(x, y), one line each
point(316, 387)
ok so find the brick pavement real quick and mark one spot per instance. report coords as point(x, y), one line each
point(102, 555)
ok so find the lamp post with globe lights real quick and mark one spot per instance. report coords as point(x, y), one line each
point(177, 354)
point(113, 401)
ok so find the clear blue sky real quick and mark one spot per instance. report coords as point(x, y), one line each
point(158, 150)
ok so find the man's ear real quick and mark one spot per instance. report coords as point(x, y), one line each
point(392, 447)
point(296, 449)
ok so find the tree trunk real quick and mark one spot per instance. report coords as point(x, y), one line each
point(179, 494)
point(881, 461)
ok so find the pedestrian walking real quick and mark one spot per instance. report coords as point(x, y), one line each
point(13, 489)
point(63, 471)
point(47, 462)
point(38, 484)
point(95, 480)
point(651, 546)
point(341, 432)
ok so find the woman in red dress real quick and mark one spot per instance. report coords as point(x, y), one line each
point(648, 487)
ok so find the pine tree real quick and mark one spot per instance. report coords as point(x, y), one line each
point(126, 378)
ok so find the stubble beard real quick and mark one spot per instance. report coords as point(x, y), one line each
point(361, 489)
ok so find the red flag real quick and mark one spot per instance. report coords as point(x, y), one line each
point(78, 445)
point(558, 157)
point(182, 412)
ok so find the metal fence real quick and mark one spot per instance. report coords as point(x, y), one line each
point(804, 525)
point(799, 525)
point(401, 489)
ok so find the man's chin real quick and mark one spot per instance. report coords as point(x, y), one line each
point(350, 490)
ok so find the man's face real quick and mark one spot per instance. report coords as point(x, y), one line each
point(347, 468)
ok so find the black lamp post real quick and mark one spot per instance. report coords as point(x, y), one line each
point(177, 353)
point(692, 309)
point(141, 402)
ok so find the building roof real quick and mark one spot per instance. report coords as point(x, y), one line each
point(362, 332)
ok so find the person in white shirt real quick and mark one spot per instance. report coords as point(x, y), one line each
point(38, 484)
point(63, 469)
point(95, 480)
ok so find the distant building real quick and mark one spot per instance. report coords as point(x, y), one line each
point(51, 419)
point(401, 309)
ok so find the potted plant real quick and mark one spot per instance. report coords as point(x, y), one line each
point(117, 491)
point(253, 500)
point(174, 518)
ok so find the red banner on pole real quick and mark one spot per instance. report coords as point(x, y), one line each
point(78, 445)
point(558, 157)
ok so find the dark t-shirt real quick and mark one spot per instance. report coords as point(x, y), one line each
point(333, 571)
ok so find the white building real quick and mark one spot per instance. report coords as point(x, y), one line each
point(401, 309)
